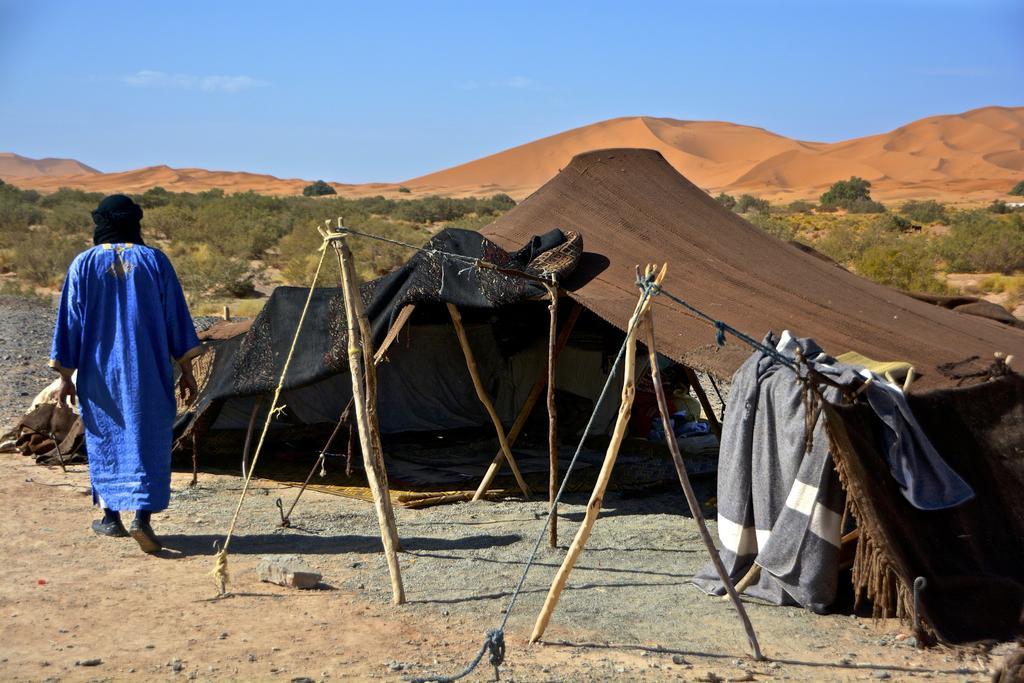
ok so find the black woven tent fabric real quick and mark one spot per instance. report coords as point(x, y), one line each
point(972, 556)
point(251, 364)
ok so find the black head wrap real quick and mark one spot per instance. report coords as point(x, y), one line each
point(118, 220)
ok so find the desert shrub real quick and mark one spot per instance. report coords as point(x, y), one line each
point(924, 212)
point(403, 189)
point(172, 222)
point(749, 203)
point(42, 256)
point(800, 206)
point(981, 242)
point(16, 214)
point(862, 205)
point(726, 200)
point(892, 222)
point(907, 264)
point(66, 195)
point(317, 189)
point(1000, 207)
point(205, 270)
point(843, 193)
point(775, 226)
point(1017, 190)
point(154, 197)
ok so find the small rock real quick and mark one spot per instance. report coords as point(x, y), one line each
point(252, 657)
point(396, 666)
point(223, 636)
point(678, 659)
point(303, 679)
point(910, 642)
point(89, 662)
point(176, 665)
point(882, 675)
point(288, 570)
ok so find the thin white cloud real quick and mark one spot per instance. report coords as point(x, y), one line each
point(147, 78)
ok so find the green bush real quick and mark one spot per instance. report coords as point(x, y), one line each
point(1001, 207)
point(1017, 190)
point(42, 256)
point(403, 189)
point(924, 212)
point(892, 222)
point(777, 227)
point(981, 242)
point(749, 203)
point(800, 206)
point(726, 200)
point(204, 270)
point(862, 205)
point(317, 189)
point(907, 264)
point(844, 193)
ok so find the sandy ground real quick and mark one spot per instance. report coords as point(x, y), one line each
point(67, 596)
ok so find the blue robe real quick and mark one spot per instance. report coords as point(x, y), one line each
point(122, 318)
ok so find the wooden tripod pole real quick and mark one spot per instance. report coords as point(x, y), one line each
point(691, 497)
point(597, 497)
point(481, 393)
point(705, 403)
point(528, 404)
point(552, 413)
point(364, 398)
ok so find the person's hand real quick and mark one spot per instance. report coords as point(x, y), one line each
point(187, 388)
point(68, 395)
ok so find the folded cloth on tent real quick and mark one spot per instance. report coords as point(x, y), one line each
point(972, 556)
point(899, 372)
point(779, 498)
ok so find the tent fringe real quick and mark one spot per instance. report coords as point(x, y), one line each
point(874, 575)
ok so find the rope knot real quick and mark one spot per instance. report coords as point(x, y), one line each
point(496, 646)
point(720, 333)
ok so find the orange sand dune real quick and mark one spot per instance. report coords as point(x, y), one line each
point(16, 166)
point(972, 157)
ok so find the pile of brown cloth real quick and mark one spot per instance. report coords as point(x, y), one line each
point(972, 556)
point(50, 433)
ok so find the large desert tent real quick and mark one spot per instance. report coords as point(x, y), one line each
point(632, 207)
point(623, 206)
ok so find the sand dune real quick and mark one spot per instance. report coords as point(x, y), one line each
point(16, 166)
point(975, 156)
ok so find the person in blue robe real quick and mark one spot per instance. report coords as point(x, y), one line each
point(122, 319)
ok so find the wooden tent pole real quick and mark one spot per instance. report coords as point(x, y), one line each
point(528, 404)
point(248, 435)
point(552, 413)
point(694, 381)
point(481, 393)
point(363, 383)
point(597, 497)
point(691, 497)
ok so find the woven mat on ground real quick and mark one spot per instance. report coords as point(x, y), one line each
point(972, 556)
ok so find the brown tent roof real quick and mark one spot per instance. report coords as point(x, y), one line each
point(632, 207)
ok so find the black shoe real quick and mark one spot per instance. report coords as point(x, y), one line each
point(142, 532)
point(114, 529)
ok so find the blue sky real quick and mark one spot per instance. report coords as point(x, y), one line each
point(352, 92)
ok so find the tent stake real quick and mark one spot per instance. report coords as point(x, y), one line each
point(552, 413)
point(528, 404)
point(597, 497)
point(694, 381)
point(481, 393)
point(364, 387)
point(691, 497)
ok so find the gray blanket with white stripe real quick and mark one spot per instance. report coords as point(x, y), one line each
point(780, 501)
